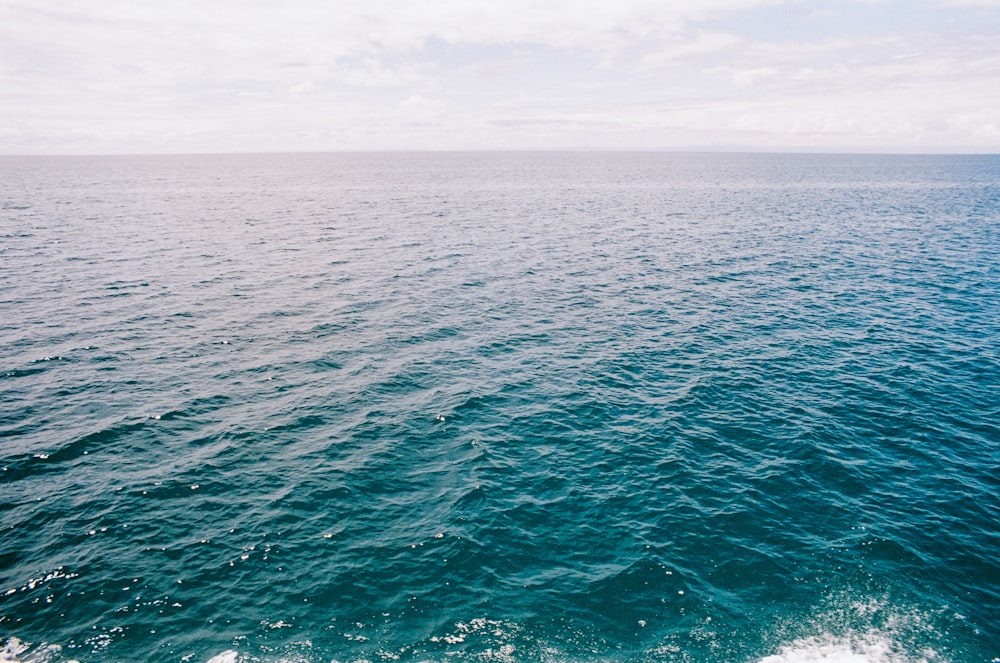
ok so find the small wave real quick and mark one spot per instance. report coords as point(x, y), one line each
point(30, 463)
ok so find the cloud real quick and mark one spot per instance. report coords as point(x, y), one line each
point(111, 75)
point(749, 77)
point(969, 3)
point(681, 47)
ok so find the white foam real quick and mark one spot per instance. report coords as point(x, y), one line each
point(858, 648)
point(16, 651)
point(225, 657)
point(11, 649)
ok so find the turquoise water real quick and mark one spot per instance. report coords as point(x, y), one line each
point(500, 407)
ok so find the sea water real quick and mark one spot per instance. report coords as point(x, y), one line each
point(500, 407)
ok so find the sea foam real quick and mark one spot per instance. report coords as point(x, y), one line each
point(871, 647)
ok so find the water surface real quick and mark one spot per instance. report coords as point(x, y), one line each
point(500, 407)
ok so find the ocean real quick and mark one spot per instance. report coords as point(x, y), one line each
point(463, 407)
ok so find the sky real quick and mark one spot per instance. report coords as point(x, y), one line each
point(182, 76)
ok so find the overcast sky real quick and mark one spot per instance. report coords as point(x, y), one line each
point(127, 76)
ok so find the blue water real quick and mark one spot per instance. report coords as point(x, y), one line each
point(500, 407)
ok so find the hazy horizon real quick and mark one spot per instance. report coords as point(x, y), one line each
point(538, 150)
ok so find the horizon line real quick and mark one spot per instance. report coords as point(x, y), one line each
point(524, 150)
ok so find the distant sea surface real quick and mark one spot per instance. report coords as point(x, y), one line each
point(451, 407)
